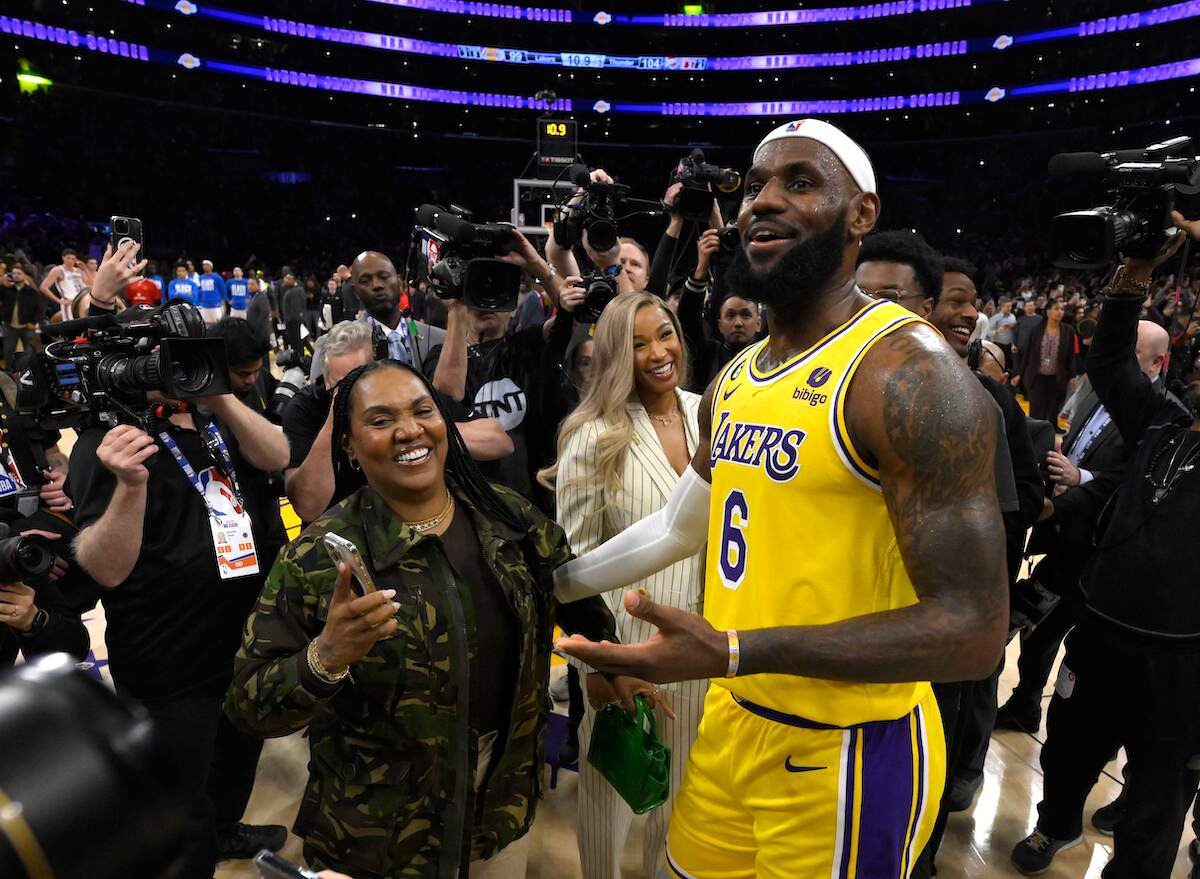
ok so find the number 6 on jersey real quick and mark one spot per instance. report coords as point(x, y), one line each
point(736, 519)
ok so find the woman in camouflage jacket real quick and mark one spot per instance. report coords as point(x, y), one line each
point(397, 786)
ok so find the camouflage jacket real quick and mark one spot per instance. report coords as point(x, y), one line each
point(390, 790)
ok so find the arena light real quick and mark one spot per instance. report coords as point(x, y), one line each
point(777, 18)
point(780, 108)
point(31, 82)
point(659, 63)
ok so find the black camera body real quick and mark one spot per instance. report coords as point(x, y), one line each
point(597, 212)
point(458, 258)
point(601, 289)
point(27, 557)
point(700, 179)
point(1144, 186)
point(97, 370)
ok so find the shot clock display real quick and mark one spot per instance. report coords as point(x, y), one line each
point(556, 145)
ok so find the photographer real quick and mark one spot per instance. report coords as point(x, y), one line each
point(1131, 675)
point(738, 323)
point(1085, 472)
point(166, 534)
point(308, 424)
point(494, 374)
point(377, 288)
point(626, 252)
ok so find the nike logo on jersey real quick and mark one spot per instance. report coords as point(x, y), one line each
point(787, 764)
point(774, 449)
point(725, 396)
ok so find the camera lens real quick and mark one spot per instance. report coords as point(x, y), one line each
point(123, 373)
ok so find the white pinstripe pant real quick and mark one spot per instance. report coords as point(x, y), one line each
point(604, 818)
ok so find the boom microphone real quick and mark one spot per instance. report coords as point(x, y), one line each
point(1070, 164)
point(455, 228)
point(68, 328)
point(579, 175)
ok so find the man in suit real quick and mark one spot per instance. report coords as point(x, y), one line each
point(1086, 472)
point(377, 287)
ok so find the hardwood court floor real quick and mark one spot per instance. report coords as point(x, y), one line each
point(976, 846)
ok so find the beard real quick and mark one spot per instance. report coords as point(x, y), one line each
point(798, 277)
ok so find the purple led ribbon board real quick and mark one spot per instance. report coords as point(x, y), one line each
point(659, 63)
point(323, 82)
point(777, 18)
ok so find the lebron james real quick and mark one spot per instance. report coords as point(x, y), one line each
point(844, 486)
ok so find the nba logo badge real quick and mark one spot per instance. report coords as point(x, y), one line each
point(819, 376)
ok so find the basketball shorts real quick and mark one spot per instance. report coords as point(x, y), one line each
point(772, 795)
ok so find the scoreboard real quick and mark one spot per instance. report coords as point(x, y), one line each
point(557, 145)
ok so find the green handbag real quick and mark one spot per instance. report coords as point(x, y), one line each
point(631, 757)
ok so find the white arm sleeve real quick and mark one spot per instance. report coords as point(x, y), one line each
point(673, 533)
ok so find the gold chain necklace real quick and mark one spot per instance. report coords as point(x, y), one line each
point(427, 524)
point(666, 420)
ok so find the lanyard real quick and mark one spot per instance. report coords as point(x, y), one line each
point(216, 445)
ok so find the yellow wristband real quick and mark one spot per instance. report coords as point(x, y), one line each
point(735, 654)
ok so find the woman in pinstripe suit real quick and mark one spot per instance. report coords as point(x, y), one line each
point(620, 455)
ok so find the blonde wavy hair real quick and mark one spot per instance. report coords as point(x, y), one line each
point(612, 385)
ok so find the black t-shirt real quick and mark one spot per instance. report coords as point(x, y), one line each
point(502, 378)
point(494, 672)
point(302, 421)
point(174, 625)
point(261, 488)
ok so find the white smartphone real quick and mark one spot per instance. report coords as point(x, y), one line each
point(342, 550)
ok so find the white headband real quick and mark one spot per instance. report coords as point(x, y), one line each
point(851, 155)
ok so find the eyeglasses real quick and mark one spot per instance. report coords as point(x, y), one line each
point(894, 295)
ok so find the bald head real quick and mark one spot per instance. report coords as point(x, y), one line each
point(377, 286)
point(1153, 343)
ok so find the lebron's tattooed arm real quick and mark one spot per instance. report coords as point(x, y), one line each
point(930, 429)
point(924, 419)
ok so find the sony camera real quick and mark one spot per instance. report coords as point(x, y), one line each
point(458, 258)
point(700, 179)
point(597, 213)
point(96, 371)
point(1144, 187)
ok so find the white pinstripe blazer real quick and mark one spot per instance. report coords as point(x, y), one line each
point(647, 480)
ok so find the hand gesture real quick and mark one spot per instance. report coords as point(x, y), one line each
point(572, 294)
point(117, 271)
point(124, 451)
point(671, 194)
point(1061, 469)
point(602, 259)
point(17, 609)
point(601, 176)
point(707, 246)
point(52, 493)
point(523, 253)
point(355, 623)
point(620, 690)
point(685, 648)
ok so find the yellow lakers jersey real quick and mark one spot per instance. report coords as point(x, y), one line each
point(799, 534)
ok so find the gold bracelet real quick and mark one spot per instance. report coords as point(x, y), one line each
point(735, 654)
point(318, 668)
point(1122, 285)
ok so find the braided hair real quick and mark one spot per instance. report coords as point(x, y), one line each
point(460, 466)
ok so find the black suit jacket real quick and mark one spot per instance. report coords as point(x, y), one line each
point(1106, 458)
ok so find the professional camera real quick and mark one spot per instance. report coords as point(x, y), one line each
point(458, 258)
point(601, 289)
point(83, 776)
point(1029, 604)
point(1143, 184)
point(699, 179)
point(296, 368)
point(24, 557)
point(597, 212)
point(98, 369)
